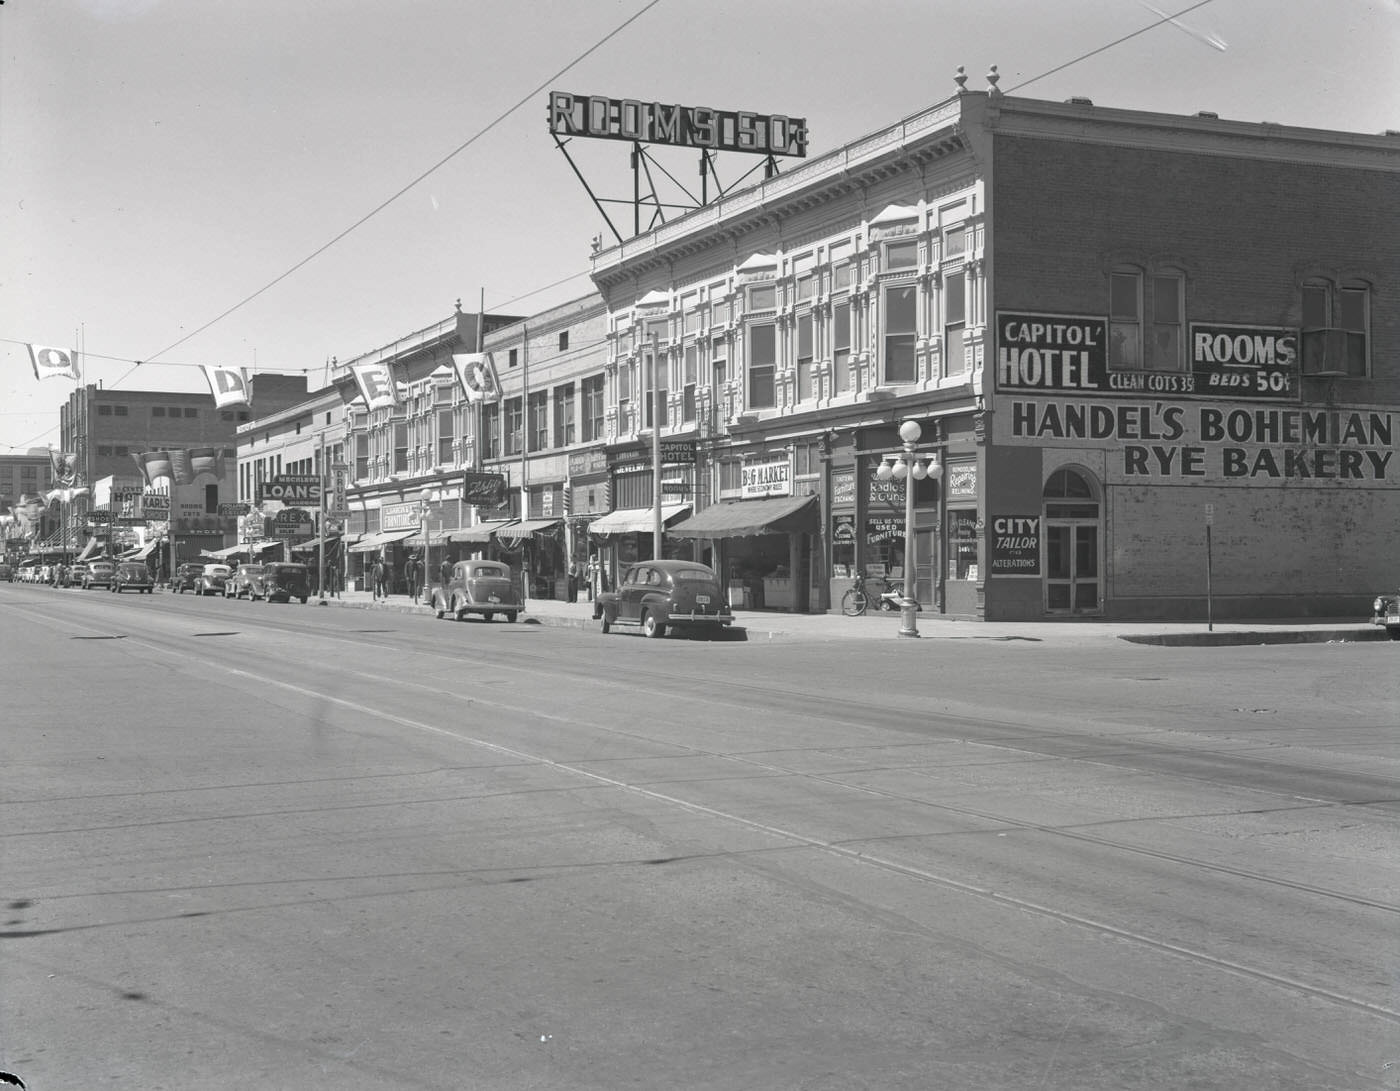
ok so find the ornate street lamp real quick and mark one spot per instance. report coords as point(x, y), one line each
point(905, 465)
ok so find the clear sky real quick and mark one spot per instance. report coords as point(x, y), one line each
point(163, 160)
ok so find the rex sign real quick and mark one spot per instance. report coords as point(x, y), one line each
point(292, 489)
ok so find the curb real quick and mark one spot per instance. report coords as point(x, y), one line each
point(1236, 639)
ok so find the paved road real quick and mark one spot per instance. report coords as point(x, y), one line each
point(247, 844)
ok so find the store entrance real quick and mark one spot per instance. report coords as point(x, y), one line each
point(1073, 582)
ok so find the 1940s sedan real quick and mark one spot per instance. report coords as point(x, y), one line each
point(657, 595)
point(478, 587)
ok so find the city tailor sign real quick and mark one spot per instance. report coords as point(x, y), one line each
point(1068, 354)
point(1164, 440)
point(683, 126)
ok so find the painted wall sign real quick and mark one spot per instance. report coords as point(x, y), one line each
point(1255, 363)
point(962, 480)
point(1166, 440)
point(1067, 354)
point(583, 463)
point(771, 478)
point(843, 487)
point(292, 489)
point(1013, 545)
point(684, 126)
point(678, 451)
point(1052, 352)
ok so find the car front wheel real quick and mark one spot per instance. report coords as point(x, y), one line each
point(651, 627)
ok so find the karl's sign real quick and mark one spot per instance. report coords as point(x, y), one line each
point(683, 126)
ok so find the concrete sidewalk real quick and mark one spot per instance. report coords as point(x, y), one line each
point(762, 625)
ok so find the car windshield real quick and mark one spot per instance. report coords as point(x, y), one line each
point(486, 570)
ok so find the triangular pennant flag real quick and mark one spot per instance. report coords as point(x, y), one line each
point(229, 385)
point(476, 371)
point(376, 385)
point(52, 363)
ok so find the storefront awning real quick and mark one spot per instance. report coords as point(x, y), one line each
point(231, 551)
point(315, 543)
point(92, 547)
point(747, 518)
point(263, 547)
point(370, 542)
point(526, 528)
point(436, 538)
point(142, 553)
point(636, 520)
point(481, 533)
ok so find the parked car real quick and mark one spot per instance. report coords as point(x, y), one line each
point(133, 576)
point(280, 581)
point(1386, 611)
point(98, 573)
point(7, 573)
point(186, 577)
point(478, 587)
point(241, 582)
point(657, 595)
point(212, 580)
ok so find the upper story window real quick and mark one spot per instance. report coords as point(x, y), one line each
point(690, 368)
point(157, 410)
point(805, 389)
point(401, 447)
point(1146, 320)
point(903, 254)
point(564, 341)
point(491, 430)
point(806, 286)
point(447, 431)
point(762, 361)
point(513, 426)
point(104, 410)
point(954, 240)
point(537, 425)
point(762, 297)
point(190, 411)
point(841, 348)
point(900, 333)
point(564, 415)
point(592, 409)
point(954, 321)
point(513, 358)
point(1336, 324)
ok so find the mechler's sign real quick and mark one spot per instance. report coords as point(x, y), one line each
point(1068, 354)
point(685, 126)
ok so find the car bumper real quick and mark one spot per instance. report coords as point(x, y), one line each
point(700, 619)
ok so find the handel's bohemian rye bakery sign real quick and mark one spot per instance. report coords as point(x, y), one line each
point(1068, 354)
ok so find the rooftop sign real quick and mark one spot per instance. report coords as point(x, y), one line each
point(684, 126)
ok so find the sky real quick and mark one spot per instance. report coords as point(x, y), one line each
point(265, 185)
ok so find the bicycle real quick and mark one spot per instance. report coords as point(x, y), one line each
point(857, 600)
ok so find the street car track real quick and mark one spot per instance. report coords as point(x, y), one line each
point(864, 856)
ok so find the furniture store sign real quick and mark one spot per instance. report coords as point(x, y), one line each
point(771, 478)
point(1167, 441)
point(1069, 354)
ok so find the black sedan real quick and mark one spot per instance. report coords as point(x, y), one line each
point(654, 596)
point(280, 582)
point(133, 576)
point(478, 587)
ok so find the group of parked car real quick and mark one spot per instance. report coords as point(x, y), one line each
point(272, 582)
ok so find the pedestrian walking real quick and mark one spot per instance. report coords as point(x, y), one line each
point(333, 579)
point(590, 573)
point(445, 572)
point(413, 573)
point(380, 591)
point(573, 581)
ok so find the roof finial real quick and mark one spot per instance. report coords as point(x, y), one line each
point(993, 76)
point(961, 79)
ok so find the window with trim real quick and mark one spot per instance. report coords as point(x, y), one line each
point(718, 401)
point(954, 321)
point(841, 347)
point(447, 434)
point(805, 390)
point(513, 426)
point(592, 389)
point(1146, 321)
point(157, 410)
point(362, 457)
point(903, 254)
point(842, 275)
point(658, 391)
point(191, 412)
point(538, 421)
point(491, 430)
point(564, 341)
point(104, 410)
point(442, 395)
point(624, 394)
point(763, 361)
point(401, 447)
point(901, 330)
point(564, 415)
point(513, 358)
point(690, 370)
point(1336, 324)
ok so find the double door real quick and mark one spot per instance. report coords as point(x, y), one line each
point(1073, 584)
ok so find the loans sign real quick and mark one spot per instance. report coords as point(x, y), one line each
point(292, 489)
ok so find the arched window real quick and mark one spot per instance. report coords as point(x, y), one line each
point(1068, 495)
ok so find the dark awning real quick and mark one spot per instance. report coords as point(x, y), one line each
point(526, 528)
point(635, 520)
point(480, 533)
point(746, 518)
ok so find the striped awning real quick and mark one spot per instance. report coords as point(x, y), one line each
point(371, 542)
point(480, 533)
point(526, 528)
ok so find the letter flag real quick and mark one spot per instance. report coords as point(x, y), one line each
point(477, 373)
point(229, 385)
point(52, 363)
point(376, 385)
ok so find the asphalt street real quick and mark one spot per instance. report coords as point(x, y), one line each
point(267, 845)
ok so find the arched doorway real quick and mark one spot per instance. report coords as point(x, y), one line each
point(1073, 583)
